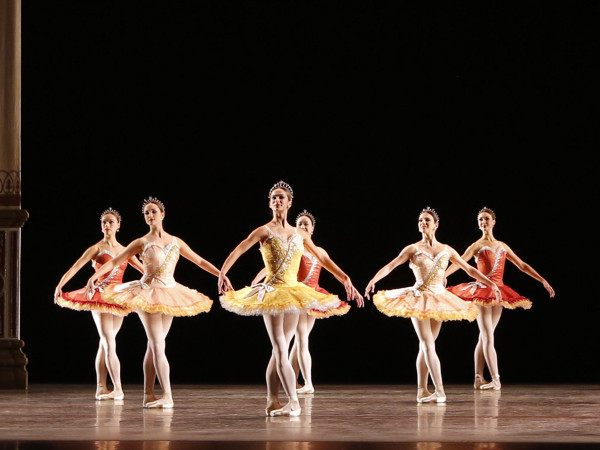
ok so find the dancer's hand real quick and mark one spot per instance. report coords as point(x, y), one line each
point(224, 284)
point(370, 289)
point(352, 293)
point(497, 292)
point(549, 288)
point(360, 302)
point(89, 289)
point(57, 292)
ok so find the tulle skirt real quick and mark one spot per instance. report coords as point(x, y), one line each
point(280, 299)
point(175, 300)
point(339, 311)
point(78, 301)
point(410, 302)
point(484, 296)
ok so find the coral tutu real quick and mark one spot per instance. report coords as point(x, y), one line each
point(492, 264)
point(157, 291)
point(309, 273)
point(427, 299)
point(281, 293)
point(78, 299)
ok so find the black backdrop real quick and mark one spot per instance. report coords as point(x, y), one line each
point(370, 111)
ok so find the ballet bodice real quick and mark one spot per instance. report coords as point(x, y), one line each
point(115, 276)
point(159, 263)
point(309, 271)
point(429, 270)
point(282, 257)
point(491, 263)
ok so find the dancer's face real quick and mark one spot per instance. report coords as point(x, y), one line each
point(304, 223)
point(110, 224)
point(427, 223)
point(485, 221)
point(153, 214)
point(279, 200)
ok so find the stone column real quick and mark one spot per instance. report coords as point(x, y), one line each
point(13, 372)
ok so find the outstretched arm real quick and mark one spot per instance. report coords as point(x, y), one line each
point(256, 236)
point(473, 272)
point(188, 253)
point(466, 256)
point(87, 256)
point(136, 264)
point(351, 292)
point(130, 251)
point(404, 256)
point(524, 267)
point(259, 276)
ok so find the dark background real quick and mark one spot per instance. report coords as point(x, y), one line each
point(370, 111)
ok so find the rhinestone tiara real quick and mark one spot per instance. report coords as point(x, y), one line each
point(111, 211)
point(307, 214)
point(488, 210)
point(431, 211)
point(282, 185)
point(153, 200)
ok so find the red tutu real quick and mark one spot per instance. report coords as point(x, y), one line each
point(492, 264)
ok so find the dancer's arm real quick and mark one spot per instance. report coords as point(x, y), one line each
point(259, 276)
point(326, 261)
point(466, 256)
point(131, 250)
point(473, 272)
point(87, 256)
point(524, 267)
point(257, 235)
point(404, 256)
point(188, 253)
point(136, 264)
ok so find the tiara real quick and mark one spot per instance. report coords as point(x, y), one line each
point(431, 211)
point(487, 210)
point(307, 214)
point(113, 212)
point(282, 185)
point(153, 200)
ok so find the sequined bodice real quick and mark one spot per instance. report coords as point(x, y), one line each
point(282, 258)
point(309, 271)
point(491, 263)
point(429, 270)
point(113, 277)
point(159, 263)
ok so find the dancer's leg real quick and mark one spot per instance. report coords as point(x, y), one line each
point(280, 329)
point(487, 320)
point(303, 329)
point(294, 361)
point(422, 370)
point(157, 327)
point(100, 361)
point(110, 325)
point(425, 333)
point(273, 380)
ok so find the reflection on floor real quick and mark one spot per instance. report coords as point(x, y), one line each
point(334, 417)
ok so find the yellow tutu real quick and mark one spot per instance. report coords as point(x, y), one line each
point(281, 293)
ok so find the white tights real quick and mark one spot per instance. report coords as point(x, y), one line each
point(300, 354)
point(427, 359)
point(485, 351)
point(107, 361)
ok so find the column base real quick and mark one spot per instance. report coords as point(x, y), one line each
point(13, 362)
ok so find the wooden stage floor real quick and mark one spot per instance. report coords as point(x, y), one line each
point(335, 417)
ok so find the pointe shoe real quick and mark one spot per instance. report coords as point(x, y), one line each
point(435, 397)
point(165, 403)
point(272, 407)
point(111, 396)
point(149, 398)
point(494, 384)
point(306, 390)
point(100, 391)
point(422, 393)
point(479, 381)
point(286, 411)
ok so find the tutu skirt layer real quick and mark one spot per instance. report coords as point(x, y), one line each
point(441, 306)
point(298, 299)
point(484, 296)
point(177, 300)
point(79, 301)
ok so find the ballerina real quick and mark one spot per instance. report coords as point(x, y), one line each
point(427, 303)
point(157, 297)
point(107, 317)
point(281, 298)
point(491, 255)
point(308, 273)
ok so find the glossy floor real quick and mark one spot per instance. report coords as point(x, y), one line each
point(335, 417)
